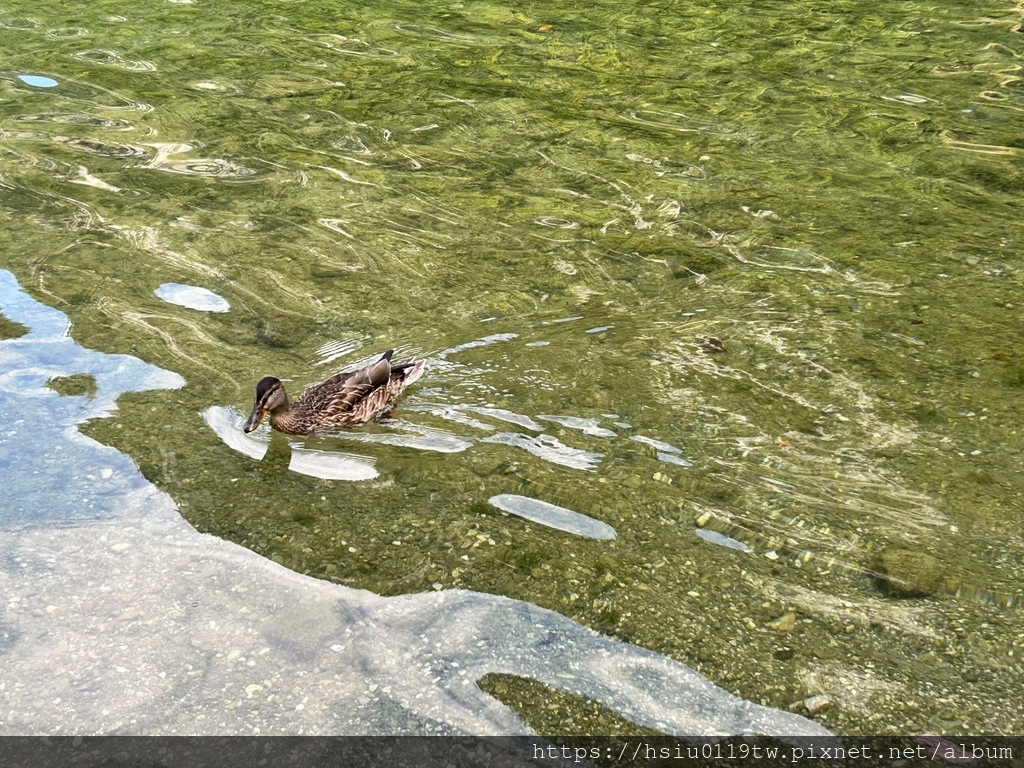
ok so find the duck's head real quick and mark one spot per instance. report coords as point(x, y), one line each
point(270, 396)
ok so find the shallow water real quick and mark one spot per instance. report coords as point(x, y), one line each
point(559, 210)
point(120, 618)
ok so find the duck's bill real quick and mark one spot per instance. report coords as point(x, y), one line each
point(254, 419)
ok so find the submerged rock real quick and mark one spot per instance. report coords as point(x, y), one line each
point(906, 573)
point(817, 702)
point(785, 623)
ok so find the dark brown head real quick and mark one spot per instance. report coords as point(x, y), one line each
point(270, 396)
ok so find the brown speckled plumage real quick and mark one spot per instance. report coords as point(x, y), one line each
point(345, 400)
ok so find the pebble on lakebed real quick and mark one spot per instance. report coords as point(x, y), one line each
point(817, 702)
point(906, 573)
point(785, 623)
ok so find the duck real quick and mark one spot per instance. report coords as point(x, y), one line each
point(346, 400)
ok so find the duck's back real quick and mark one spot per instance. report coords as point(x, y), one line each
point(354, 398)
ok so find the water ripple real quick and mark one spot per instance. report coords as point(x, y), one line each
point(114, 59)
point(555, 222)
point(438, 34)
point(352, 46)
point(64, 32)
point(504, 415)
point(20, 24)
point(215, 167)
point(104, 148)
point(78, 118)
point(675, 121)
point(586, 426)
point(419, 437)
point(548, 448)
point(494, 338)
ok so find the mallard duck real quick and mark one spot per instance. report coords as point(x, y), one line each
point(346, 400)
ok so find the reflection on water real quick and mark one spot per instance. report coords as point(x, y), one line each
point(504, 415)
point(542, 205)
point(717, 538)
point(586, 426)
point(548, 448)
point(51, 473)
point(411, 436)
point(269, 651)
point(327, 465)
point(482, 342)
point(193, 297)
point(38, 81)
point(552, 516)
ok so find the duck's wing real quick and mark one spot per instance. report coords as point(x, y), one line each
point(375, 375)
point(355, 403)
point(348, 394)
point(346, 407)
point(404, 373)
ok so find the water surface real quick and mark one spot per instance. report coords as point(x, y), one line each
point(558, 209)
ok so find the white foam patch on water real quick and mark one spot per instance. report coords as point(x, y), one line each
point(200, 636)
point(552, 516)
point(193, 297)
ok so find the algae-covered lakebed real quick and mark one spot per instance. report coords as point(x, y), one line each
point(739, 281)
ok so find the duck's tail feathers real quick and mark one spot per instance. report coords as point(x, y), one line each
point(407, 371)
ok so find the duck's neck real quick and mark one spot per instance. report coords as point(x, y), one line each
point(288, 420)
point(282, 418)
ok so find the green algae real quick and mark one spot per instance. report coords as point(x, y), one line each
point(831, 190)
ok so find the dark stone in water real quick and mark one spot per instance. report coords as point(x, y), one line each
point(906, 573)
point(711, 346)
point(284, 331)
